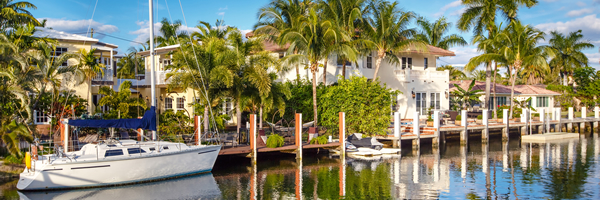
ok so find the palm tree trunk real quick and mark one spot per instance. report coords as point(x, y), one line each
point(380, 57)
point(297, 73)
point(344, 70)
point(512, 89)
point(325, 71)
point(206, 120)
point(260, 117)
point(238, 115)
point(488, 75)
point(495, 99)
point(314, 88)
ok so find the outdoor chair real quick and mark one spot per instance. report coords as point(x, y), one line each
point(232, 140)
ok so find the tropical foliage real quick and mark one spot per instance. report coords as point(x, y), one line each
point(468, 96)
point(122, 104)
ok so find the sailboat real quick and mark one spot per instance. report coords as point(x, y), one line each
point(117, 162)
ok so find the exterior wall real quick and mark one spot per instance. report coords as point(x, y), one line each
point(417, 79)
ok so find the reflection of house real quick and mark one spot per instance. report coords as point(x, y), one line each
point(540, 97)
point(415, 76)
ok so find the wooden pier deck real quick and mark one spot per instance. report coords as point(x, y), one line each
point(245, 149)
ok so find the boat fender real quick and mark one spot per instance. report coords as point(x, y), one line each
point(28, 160)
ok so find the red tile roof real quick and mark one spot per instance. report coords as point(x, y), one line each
point(503, 89)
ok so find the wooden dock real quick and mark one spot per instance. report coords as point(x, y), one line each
point(290, 148)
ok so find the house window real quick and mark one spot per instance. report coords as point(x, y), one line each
point(340, 62)
point(406, 63)
point(426, 63)
point(500, 101)
point(180, 103)
point(542, 102)
point(59, 51)
point(41, 117)
point(168, 103)
point(370, 61)
point(421, 102)
point(434, 100)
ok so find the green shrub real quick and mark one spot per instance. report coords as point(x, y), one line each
point(458, 117)
point(274, 141)
point(319, 140)
point(479, 116)
point(536, 114)
point(13, 160)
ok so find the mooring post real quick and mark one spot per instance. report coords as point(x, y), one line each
point(436, 124)
point(299, 136)
point(542, 113)
point(524, 115)
point(506, 122)
point(558, 114)
point(197, 129)
point(416, 131)
point(570, 118)
point(65, 135)
point(253, 138)
point(342, 134)
point(583, 116)
point(485, 134)
point(464, 134)
point(596, 116)
point(397, 130)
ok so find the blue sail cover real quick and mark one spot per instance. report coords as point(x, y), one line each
point(148, 122)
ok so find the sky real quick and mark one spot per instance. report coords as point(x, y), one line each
point(125, 22)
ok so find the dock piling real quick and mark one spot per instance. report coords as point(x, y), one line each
point(570, 118)
point(342, 134)
point(253, 138)
point(596, 116)
point(485, 134)
point(464, 134)
point(436, 124)
point(416, 131)
point(299, 136)
point(507, 128)
point(397, 144)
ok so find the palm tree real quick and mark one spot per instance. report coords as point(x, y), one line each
point(220, 30)
point(519, 49)
point(280, 16)
point(434, 34)
point(566, 53)
point(478, 75)
point(346, 16)
point(169, 33)
point(130, 65)
point(466, 96)
point(88, 69)
point(120, 102)
point(534, 74)
point(481, 15)
point(311, 41)
point(16, 13)
point(455, 74)
point(386, 32)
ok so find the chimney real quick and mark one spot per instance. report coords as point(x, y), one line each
point(92, 33)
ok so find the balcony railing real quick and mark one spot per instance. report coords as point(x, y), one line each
point(408, 75)
point(108, 75)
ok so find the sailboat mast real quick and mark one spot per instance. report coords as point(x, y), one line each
point(152, 74)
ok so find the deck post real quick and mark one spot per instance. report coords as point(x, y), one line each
point(65, 135)
point(197, 122)
point(596, 116)
point(436, 124)
point(416, 131)
point(253, 138)
point(397, 130)
point(342, 133)
point(505, 129)
point(583, 116)
point(557, 127)
point(542, 113)
point(570, 117)
point(299, 136)
point(464, 135)
point(485, 134)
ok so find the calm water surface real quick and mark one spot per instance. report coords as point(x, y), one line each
point(514, 170)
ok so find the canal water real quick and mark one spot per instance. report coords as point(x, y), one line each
point(563, 170)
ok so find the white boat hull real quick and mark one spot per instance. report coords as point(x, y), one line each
point(119, 171)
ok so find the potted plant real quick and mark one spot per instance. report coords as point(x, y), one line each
point(457, 121)
point(429, 121)
point(535, 117)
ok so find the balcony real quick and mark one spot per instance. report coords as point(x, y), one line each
point(107, 78)
point(410, 75)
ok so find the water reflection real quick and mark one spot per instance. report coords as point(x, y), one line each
point(498, 170)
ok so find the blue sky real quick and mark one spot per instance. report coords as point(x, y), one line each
point(128, 19)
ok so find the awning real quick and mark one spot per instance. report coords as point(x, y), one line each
point(148, 122)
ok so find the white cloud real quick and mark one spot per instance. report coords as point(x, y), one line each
point(577, 13)
point(223, 8)
point(143, 32)
point(463, 55)
point(80, 26)
point(581, 4)
point(593, 59)
point(221, 13)
point(590, 25)
point(447, 7)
